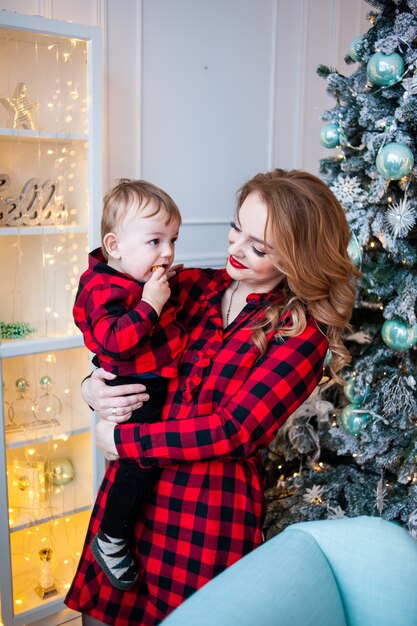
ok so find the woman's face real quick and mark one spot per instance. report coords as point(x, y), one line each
point(250, 254)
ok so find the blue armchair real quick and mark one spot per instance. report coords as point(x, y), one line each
point(346, 572)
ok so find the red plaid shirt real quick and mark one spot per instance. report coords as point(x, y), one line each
point(206, 511)
point(122, 330)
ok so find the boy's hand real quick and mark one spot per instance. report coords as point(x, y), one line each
point(156, 290)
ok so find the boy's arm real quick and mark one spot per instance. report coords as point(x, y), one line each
point(117, 331)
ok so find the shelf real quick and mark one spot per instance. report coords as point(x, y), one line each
point(7, 231)
point(23, 438)
point(50, 144)
point(33, 499)
point(65, 538)
point(47, 514)
point(21, 347)
point(10, 134)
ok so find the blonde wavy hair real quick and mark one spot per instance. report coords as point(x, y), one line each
point(308, 230)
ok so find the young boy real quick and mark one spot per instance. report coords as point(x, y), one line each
point(120, 310)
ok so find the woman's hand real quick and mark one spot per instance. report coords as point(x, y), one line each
point(114, 404)
point(105, 439)
point(174, 269)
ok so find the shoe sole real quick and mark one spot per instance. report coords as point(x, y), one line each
point(115, 582)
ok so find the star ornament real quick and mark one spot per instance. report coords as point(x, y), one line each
point(20, 108)
point(401, 217)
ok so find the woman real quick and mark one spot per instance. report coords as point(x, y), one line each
point(258, 336)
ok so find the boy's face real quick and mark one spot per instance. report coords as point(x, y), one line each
point(143, 242)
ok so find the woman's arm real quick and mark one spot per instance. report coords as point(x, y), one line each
point(276, 387)
point(112, 403)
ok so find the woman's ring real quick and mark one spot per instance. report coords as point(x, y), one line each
point(114, 411)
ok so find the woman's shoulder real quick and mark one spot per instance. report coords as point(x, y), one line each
point(312, 337)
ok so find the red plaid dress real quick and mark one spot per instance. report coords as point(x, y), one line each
point(206, 512)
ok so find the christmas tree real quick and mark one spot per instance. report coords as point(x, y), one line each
point(352, 450)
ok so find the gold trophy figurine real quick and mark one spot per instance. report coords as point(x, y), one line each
point(46, 586)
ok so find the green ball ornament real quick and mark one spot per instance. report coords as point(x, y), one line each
point(354, 397)
point(45, 382)
point(394, 161)
point(60, 471)
point(385, 69)
point(353, 48)
point(355, 251)
point(22, 385)
point(398, 335)
point(329, 136)
point(353, 419)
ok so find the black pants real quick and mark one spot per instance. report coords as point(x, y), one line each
point(132, 483)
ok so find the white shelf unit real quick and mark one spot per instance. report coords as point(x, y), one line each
point(50, 181)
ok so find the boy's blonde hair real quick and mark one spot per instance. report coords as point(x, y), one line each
point(135, 195)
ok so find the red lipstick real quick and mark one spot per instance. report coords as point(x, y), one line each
point(235, 263)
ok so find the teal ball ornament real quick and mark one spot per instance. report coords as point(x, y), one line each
point(398, 335)
point(353, 48)
point(328, 358)
point(355, 251)
point(60, 471)
point(330, 136)
point(353, 396)
point(394, 161)
point(385, 69)
point(353, 419)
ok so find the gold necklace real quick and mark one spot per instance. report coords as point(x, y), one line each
point(230, 304)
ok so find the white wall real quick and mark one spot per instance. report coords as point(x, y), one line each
point(201, 94)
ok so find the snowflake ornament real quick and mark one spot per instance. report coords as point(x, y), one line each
point(347, 190)
point(314, 495)
point(335, 512)
point(401, 217)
